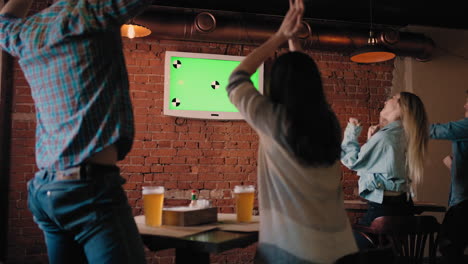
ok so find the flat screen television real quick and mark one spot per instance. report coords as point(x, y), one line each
point(195, 85)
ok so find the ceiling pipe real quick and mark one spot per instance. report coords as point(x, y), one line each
point(254, 29)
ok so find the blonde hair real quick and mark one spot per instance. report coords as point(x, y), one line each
point(415, 125)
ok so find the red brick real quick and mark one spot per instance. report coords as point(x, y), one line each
point(187, 177)
point(212, 153)
point(191, 136)
point(231, 161)
point(218, 161)
point(189, 152)
point(157, 168)
point(167, 136)
point(163, 152)
point(210, 177)
point(133, 169)
point(173, 160)
point(176, 168)
point(151, 145)
point(137, 160)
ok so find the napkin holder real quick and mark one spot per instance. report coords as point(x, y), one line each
point(186, 216)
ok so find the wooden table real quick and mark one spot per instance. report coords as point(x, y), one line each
point(420, 207)
point(198, 247)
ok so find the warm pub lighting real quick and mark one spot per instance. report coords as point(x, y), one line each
point(134, 31)
point(372, 52)
point(372, 55)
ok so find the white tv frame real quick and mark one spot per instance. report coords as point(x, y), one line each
point(201, 114)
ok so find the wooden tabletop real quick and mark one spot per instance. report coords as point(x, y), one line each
point(196, 248)
point(420, 206)
point(214, 241)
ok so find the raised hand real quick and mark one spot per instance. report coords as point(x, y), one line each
point(354, 121)
point(448, 162)
point(293, 19)
point(290, 25)
point(372, 130)
point(17, 8)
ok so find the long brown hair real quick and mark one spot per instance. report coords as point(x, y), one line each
point(415, 125)
point(313, 133)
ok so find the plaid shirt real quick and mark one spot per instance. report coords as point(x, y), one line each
point(71, 54)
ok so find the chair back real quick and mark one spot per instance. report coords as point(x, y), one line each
point(408, 235)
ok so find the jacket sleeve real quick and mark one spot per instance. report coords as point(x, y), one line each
point(369, 158)
point(257, 110)
point(457, 130)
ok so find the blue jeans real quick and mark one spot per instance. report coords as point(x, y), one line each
point(85, 220)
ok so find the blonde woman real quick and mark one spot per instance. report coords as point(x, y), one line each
point(390, 164)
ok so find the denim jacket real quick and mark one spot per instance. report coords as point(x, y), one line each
point(457, 132)
point(380, 163)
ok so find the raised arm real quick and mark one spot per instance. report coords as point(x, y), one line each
point(112, 13)
point(17, 8)
point(367, 157)
point(457, 130)
point(290, 25)
point(448, 162)
point(295, 44)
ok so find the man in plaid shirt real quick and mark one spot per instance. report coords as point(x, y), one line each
point(71, 54)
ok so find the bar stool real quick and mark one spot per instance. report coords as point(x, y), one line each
point(407, 236)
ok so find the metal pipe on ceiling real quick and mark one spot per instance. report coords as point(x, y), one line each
point(253, 29)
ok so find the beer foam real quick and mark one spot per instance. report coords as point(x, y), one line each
point(153, 190)
point(244, 189)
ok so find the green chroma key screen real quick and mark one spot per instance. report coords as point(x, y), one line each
point(199, 84)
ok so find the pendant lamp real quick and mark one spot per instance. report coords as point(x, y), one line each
point(373, 52)
point(132, 30)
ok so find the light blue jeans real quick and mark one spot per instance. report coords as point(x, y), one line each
point(86, 220)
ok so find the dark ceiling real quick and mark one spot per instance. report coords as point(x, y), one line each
point(395, 13)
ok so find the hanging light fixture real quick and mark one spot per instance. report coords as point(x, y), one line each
point(373, 51)
point(132, 30)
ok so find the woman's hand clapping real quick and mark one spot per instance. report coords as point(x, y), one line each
point(293, 19)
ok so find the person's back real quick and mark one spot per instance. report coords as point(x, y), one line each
point(71, 55)
point(301, 198)
point(301, 205)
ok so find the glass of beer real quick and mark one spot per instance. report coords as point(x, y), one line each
point(153, 198)
point(244, 195)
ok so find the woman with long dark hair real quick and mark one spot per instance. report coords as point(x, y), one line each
point(299, 177)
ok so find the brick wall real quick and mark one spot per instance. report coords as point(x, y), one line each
point(210, 156)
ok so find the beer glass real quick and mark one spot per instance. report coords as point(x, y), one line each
point(244, 195)
point(153, 198)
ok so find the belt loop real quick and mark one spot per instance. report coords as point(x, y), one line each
point(84, 171)
point(44, 174)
